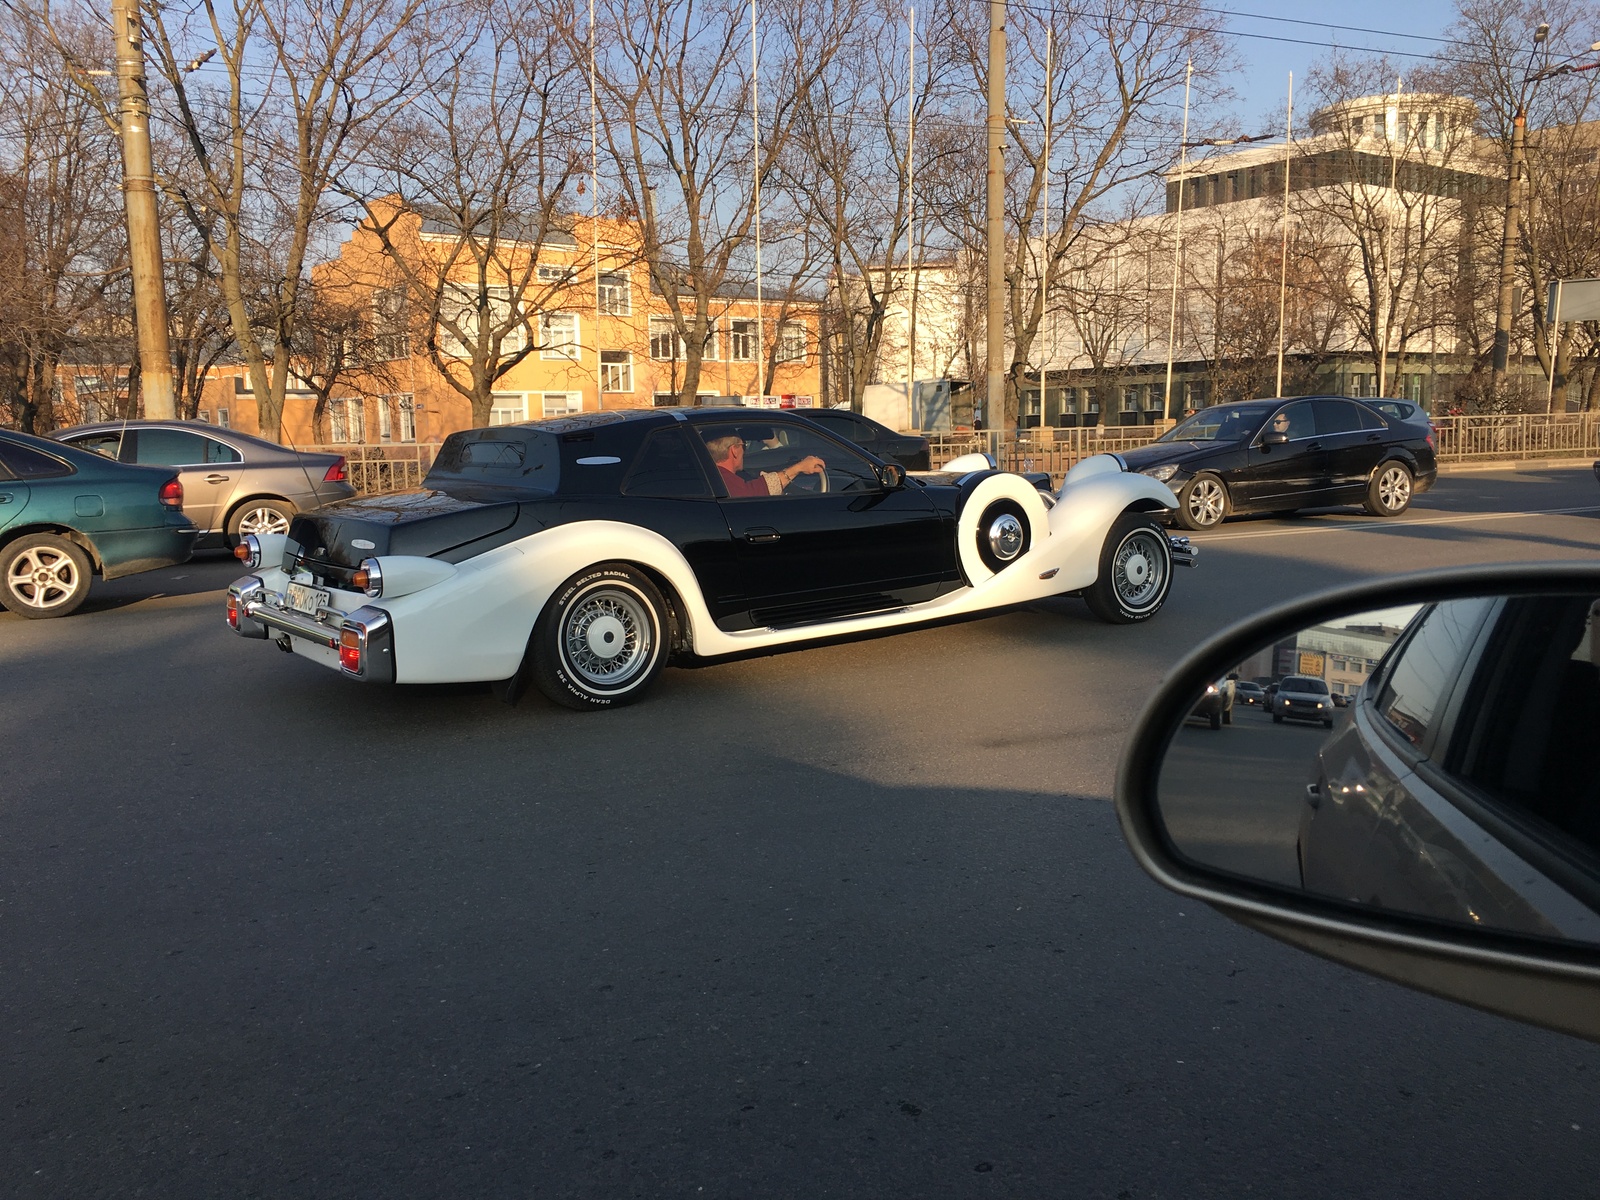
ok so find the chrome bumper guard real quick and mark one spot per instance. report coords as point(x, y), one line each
point(1183, 554)
point(367, 631)
point(257, 617)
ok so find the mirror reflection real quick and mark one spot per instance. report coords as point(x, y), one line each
point(1439, 760)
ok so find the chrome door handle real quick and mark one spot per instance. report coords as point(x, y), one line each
point(216, 479)
point(1314, 446)
point(761, 535)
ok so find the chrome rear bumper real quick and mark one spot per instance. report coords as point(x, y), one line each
point(1183, 554)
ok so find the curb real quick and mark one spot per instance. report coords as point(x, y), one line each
point(1511, 464)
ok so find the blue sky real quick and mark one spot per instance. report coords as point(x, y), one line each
point(1285, 45)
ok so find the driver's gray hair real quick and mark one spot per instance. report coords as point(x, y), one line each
point(721, 445)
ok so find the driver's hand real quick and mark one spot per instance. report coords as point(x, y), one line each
point(810, 465)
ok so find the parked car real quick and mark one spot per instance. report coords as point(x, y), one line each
point(1302, 698)
point(1400, 410)
point(1282, 455)
point(584, 553)
point(910, 450)
point(1215, 705)
point(1251, 695)
point(233, 484)
point(67, 515)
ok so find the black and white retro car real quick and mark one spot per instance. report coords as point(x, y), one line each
point(582, 554)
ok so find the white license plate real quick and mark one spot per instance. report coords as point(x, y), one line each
point(305, 599)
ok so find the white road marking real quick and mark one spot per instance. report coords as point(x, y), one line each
point(1460, 519)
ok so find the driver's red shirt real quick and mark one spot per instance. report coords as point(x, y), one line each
point(738, 485)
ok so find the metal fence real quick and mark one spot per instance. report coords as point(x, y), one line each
point(1519, 435)
point(375, 470)
point(392, 468)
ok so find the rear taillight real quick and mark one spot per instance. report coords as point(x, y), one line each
point(233, 611)
point(1429, 439)
point(171, 493)
point(350, 649)
point(335, 473)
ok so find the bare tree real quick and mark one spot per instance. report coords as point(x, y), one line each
point(1116, 78)
point(477, 180)
point(675, 118)
point(64, 245)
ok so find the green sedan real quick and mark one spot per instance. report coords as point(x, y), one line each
point(67, 515)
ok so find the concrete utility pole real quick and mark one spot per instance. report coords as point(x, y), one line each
point(995, 406)
point(144, 225)
point(1508, 254)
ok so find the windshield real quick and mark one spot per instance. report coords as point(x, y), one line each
point(1299, 683)
point(1225, 423)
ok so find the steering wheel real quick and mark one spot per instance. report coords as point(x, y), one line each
point(810, 484)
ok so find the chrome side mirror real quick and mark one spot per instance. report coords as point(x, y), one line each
point(1419, 797)
point(1274, 438)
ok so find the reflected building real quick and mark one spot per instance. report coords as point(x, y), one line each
point(1341, 655)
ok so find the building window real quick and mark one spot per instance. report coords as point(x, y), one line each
point(558, 335)
point(554, 273)
point(559, 404)
point(205, 415)
point(508, 408)
point(614, 296)
point(665, 344)
point(616, 371)
point(708, 352)
point(390, 338)
point(408, 418)
point(385, 420)
point(792, 342)
point(459, 308)
point(358, 420)
point(741, 341)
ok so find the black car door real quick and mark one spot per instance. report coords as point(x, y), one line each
point(1290, 474)
point(816, 552)
point(1351, 439)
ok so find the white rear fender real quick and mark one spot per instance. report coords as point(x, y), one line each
point(476, 624)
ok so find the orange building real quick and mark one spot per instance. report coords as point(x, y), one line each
point(598, 343)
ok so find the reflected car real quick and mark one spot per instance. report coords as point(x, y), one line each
point(1251, 695)
point(68, 515)
point(1215, 707)
point(1302, 698)
point(233, 484)
point(1282, 455)
point(1481, 718)
point(910, 450)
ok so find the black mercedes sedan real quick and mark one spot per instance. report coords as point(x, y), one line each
point(1282, 455)
point(910, 450)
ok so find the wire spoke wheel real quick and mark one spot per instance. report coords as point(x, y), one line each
point(606, 637)
point(1139, 571)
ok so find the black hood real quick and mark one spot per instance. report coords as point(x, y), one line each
point(423, 522)
point(1156, 454)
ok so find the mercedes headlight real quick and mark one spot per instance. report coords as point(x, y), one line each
point(1161, 474)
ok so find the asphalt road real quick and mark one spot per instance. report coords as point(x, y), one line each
point(847, 922)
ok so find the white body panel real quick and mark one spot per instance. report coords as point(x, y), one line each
point(475, 624)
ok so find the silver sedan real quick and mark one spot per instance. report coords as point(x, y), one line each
point(233, 483)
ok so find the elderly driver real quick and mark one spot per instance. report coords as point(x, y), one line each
point(727, 452)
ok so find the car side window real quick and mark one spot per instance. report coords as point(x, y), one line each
point(1297, 420)
point(1336, 416)
point(169, 447)
point(847, 469)
point(1418, 684)
point(24, 462)
point(1370, 419)
point(108, 445)
point(221, 452)
point(667, 468)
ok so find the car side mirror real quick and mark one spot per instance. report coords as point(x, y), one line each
point(1273, 438)
point(1441, 829)
point(892, 476)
